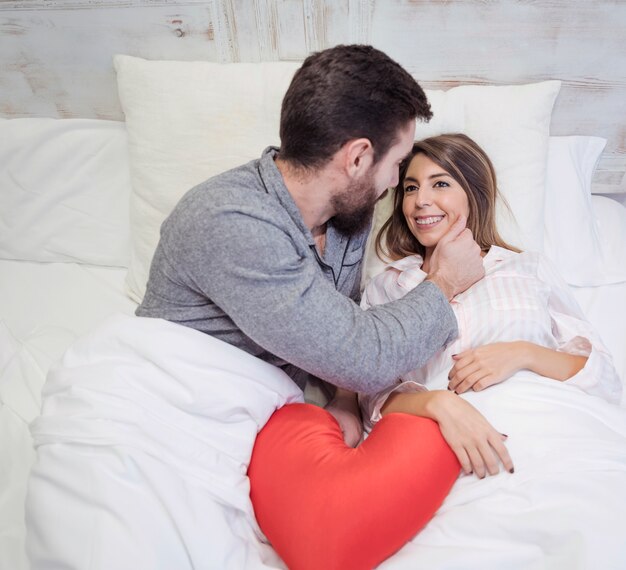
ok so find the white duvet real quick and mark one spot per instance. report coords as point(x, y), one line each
point(563, 508)
point(142, 447)
point(147, 428)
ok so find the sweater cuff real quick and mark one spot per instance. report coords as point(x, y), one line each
point(371, 405)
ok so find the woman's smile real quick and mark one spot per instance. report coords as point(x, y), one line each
point(427, 222)
point(432, 201)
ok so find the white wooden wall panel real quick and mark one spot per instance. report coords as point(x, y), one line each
point(472, 42)
point(55, 55)
point(58, 62)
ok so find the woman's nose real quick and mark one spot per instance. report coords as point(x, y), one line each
point(423, 200)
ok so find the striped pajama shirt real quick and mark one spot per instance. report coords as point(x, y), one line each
point(521, 297)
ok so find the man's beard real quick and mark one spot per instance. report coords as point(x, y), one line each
point(355, 206)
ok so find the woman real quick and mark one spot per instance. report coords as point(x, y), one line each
point(518, 321)
point(523, 354)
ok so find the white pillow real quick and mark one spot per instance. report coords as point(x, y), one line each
point(188, 121)
point(588, 247)
point(610, 217)
point(65, 187)
point(511, 123)
point(605, 305)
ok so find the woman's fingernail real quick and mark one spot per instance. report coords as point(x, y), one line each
point(504, 435)
point(512, 470)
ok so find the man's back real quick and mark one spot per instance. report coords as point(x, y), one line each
point(197, 273)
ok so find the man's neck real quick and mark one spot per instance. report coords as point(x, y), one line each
point(319, 235)
point(312, 194)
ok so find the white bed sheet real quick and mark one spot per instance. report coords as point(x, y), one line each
point(45, 307)
point(562, 508)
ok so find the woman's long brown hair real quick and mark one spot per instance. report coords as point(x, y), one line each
point(468, 164)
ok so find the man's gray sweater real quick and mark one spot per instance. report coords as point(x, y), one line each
point(236, 261)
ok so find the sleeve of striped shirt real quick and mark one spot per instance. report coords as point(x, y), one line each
point(575, 335)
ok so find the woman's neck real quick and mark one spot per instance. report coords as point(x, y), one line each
point(427, 255)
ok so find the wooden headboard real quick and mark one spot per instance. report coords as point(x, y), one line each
point(55, 55)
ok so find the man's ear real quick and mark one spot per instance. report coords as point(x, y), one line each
point(358, 157)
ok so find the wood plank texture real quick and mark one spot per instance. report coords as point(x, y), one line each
point(55, 55)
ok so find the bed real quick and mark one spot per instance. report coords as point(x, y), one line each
point(82, 194)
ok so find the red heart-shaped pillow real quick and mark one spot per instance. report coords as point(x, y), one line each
point(326, 506)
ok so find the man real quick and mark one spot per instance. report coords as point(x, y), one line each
point(268, 256)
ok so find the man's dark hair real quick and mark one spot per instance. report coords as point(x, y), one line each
point(343, 93)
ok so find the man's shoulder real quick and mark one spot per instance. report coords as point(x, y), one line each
point(239, 185)
point(239, 190)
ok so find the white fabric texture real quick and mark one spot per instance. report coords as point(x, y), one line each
point(521, 297)
point(16, 452)
point(574, 237)
point(44, 307)
point(605, 305)
point(610, 218)
point(562, 508)
point(511, 123)
point(65, 191)
point(145, 436)
point(188, 121)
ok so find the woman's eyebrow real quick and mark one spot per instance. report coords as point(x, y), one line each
point(436, 175)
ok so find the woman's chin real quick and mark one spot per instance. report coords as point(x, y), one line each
point(428, 242)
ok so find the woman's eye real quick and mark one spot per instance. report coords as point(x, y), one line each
point(441, 184)
point(410, 188)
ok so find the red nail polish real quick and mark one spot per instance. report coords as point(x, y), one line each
point(512, 470)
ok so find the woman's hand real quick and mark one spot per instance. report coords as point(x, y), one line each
point(345, 409)
point(477, 444)
point(478, 368)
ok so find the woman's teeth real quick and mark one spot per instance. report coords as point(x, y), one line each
point(428, 221)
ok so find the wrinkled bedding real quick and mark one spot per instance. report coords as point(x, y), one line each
point(145, 436)
point(561, 508)
point(147, 428)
